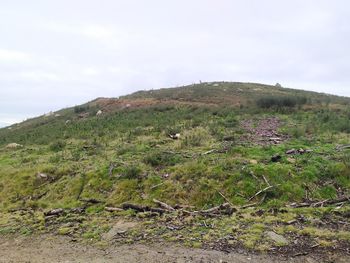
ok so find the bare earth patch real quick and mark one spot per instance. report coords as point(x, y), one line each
point(48, 248)
point(263, 132)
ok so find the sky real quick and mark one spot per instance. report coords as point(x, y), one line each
point(60, 53)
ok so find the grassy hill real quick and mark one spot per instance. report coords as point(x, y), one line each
point(244, 144)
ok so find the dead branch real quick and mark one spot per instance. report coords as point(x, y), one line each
point(155, 186)
point(261, 191)
point(54, 212)
point(140, 208)
point(209, 152)
point(267, 182)
point(249, 205)
point(226, 199)
point(225, 208)
point(326, 202)
point(342, 147)
point(163, 205)
point(91, 201)
point(113, 209)
point(110, 170)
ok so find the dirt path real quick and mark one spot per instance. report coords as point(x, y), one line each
point(62, 249)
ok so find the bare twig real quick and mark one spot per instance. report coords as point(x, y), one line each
point(261, 191)
point(155, 186)
point(226, 199)
point(267, 182)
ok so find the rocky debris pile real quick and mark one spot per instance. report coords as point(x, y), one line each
point(263, 132)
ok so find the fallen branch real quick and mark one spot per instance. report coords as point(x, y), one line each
point(163, 205)
point(155, 186)
point(261, 191)
point(140, 208)
point(321, 203)
point(110, 170)
point(224, 208)
point(342, 147)
point(54, 212)
point(209, 152)
point(91, 201)
point(226, 199)
point(267, 182)
point(113, 209)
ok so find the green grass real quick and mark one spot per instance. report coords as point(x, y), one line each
point(126, 155)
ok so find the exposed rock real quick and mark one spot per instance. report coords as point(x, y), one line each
point(13, 146)
point(49, 114)
point(42, 176)
point(99, 113)
point(278, 239)
point(291, 160)
point(83, 115)
point(119, 228)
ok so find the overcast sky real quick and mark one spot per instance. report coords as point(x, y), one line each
point(61, 53)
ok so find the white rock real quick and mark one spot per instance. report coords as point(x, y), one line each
point(13, 146)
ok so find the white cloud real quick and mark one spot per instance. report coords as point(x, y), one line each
point(39, 75)
point(7, 55)
point(116, 47)
point(90, 72)
point(97, 32)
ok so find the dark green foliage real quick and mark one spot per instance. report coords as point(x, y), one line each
point(57, 146)
point(280, 101)
point(132, 172)
point(81, 109)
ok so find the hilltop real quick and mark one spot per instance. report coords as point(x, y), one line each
point(223, 165)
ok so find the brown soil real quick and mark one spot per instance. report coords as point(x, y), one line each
point(263, 132)
point(50, 248)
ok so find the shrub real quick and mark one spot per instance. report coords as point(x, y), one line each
point(132, 172)
point(80, 109)
point(57, 146)
point(280, 102)
point(161, 158)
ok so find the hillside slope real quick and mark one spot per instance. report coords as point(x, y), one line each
point(193, 147)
